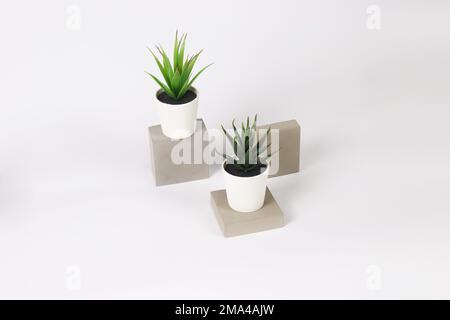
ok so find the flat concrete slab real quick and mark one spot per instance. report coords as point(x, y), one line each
point(176, 161)
point(235, 223)
point(288, 156)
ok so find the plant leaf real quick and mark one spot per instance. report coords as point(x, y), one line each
point(236, 133)
point(230, 160)
point(229, 137)
point(198, 73)
point(269, 156)
point(181, 53)
point(254, 122)
point(166, 62)
point(163, 86)
point(262, 141)
point(176, 86)
point(185, 87)
point(189, 66)
point(161, 68)
point(175, 52)
point(264, 148)
point(264, 137)
point(187, 69)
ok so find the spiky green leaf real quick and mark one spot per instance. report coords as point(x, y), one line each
point(166, 62)
point(181, 53)
point(198, 73)
point(175, 52)
point(161, 67)
point(162, 85)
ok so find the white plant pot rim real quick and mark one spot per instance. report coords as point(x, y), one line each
point(246, 178)
point(193, 89)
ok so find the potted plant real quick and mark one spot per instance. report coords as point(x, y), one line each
point(177, 100)
point(246, 172)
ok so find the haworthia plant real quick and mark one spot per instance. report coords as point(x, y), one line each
point(250, 151)
point(178, 73)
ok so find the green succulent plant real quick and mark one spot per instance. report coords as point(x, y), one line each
point(177, 74)
point(250, 151)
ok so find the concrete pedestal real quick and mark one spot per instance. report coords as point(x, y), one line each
point(176, 161)
point(288, 156)
point(235, 223)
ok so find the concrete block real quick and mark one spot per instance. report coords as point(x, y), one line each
point(235, 223)
point(170, 165)
point(288, 156)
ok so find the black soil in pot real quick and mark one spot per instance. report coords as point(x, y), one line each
point(188, 97)
point(232, 169)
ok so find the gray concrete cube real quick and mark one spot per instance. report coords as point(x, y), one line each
point(288, 155)
point(233, 223)
point(176, 161)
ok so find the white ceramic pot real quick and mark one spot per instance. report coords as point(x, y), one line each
point(178, 121)
point(246, 194)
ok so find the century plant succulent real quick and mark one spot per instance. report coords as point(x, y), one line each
point(177, 75)
point(250, 151)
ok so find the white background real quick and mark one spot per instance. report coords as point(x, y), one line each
point(368, 216)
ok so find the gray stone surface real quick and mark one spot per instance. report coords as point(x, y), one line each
point(165, 170)
point(288, 155)
point(235, 223)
